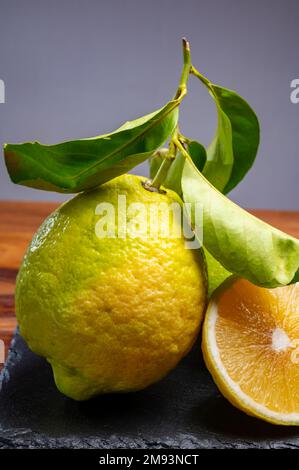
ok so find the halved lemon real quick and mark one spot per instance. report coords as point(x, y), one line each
point(251, 347)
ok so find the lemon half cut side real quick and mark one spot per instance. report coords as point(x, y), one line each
point(251, 348)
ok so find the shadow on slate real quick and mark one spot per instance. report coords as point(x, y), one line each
point(184, 410)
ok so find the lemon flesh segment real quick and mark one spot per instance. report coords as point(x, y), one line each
point(110, 314)
point(251, 348)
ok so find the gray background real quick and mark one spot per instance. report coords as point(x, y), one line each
point(80, 68)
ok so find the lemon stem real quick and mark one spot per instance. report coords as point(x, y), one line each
point(168, 157)
point(182, 90)
point(180, 146)
point(161, 173)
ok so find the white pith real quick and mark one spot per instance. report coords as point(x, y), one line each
point(280, 340)
point(247, 401)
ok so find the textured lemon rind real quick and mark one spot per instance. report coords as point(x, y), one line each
point(109, 315)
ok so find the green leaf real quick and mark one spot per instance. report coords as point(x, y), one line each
point(74, 166)
point(296, 278)
point(216, 272)
point(242, 243)
point(198, 154)
point(155, 162)
point(174, 176)
point(220, 157)
point(234, 147)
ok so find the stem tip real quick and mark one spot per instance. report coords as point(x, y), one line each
point(186, 44)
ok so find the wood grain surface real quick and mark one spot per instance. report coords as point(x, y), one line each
point(18, 222)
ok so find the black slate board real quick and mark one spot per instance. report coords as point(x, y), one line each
point(184, 410)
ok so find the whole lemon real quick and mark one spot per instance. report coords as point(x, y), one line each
point(111, 311)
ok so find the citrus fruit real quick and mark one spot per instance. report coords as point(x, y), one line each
point(113, 313)
point(251, 347)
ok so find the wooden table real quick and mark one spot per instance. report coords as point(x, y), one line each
point(18, 222)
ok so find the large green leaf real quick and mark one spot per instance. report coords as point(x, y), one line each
point(235, 144)
point(74, 166)
point(242, 243)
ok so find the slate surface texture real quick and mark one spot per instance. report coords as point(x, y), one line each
point(184, 410)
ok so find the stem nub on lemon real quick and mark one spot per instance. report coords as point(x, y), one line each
point(251, 347)
point(110, 314)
